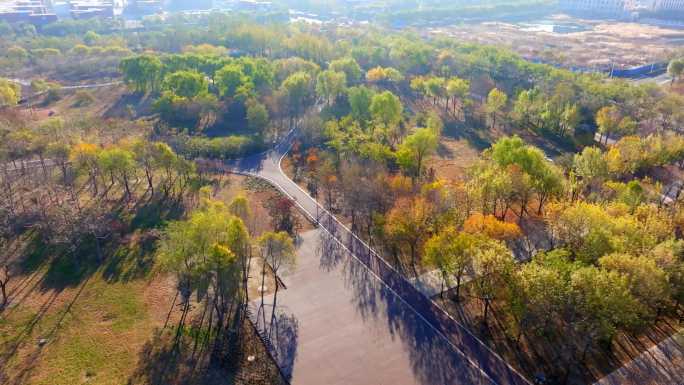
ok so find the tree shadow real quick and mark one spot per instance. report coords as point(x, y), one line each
point(441, 351)
point(141, 106)
point(133, 260)
point(153, 213)
point(477, 138)
point(332, 254)
point(279, 331)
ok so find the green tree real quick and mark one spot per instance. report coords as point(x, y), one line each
point(386, 109)
point(451, 253)
point(602, 303)
point(647, 282)
point(590, 166)
point(675, 69)
point(608, 119)
point(91, 38)
point(458, 90)
point(142, 71)
point(493, 266)
point(330, 85)
point(496, 101)
point(205, 252)
point(17, 56)
point(257, 116)
point(230, 79)
point(349, 67)
point(360, 99)
point(119, 164)
point(415, 148)
point(186, 84)
point(297, 91)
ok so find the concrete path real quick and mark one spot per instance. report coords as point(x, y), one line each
point(661, 364)
point(336, 323)
point(433, 346)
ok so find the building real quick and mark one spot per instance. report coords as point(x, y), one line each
point(594, 7)
point(668, 5)
point(95, 8)
point(26, 11)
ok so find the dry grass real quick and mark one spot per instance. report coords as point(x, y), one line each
point(624, 44)
point(111, 325)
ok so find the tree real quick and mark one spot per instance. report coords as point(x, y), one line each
point(360, 99)
point(543, 294)
point(675, 69)
point(590, 166)
point(205, 252)
point(386, 75)
point(491, 227)
point(3, 285)
point(569, 120)
point(386, 109)
point(186, 84)
point(458, 90)
point(496, 101)
point(257, 116)
point(608, 119)
point(584, 229)
point(409, 222)
point(602, 302)
point(10, 93)
point(17, 56)
point(450, 252)
point(414, 149)
point(142, 71)
point(647, 282)
point(434, 87)
point(239, 207)
point(297, 91)
point(493, 267)
point(349, 67)
point(119, 164)
point(281, 210)
point(541, 175)
point(277, 251)
point(231, 79)
point(91, 38)
point(330, 84)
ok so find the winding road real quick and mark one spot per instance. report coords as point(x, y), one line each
point(348, 317)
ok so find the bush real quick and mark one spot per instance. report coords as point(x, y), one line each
point(83, 98)
point(52, 96)
point(234, 146)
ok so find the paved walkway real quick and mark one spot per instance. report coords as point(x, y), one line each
point(338, 324)
point(661, 364)
point(410, 340)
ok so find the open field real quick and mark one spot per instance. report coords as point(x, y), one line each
point(594, 44)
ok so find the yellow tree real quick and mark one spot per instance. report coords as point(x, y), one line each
point(409, 223)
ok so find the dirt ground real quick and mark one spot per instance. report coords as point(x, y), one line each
point(605, 43)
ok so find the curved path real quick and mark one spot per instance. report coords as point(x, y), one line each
point(347, 317)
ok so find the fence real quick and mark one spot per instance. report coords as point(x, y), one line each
point(460, 337)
